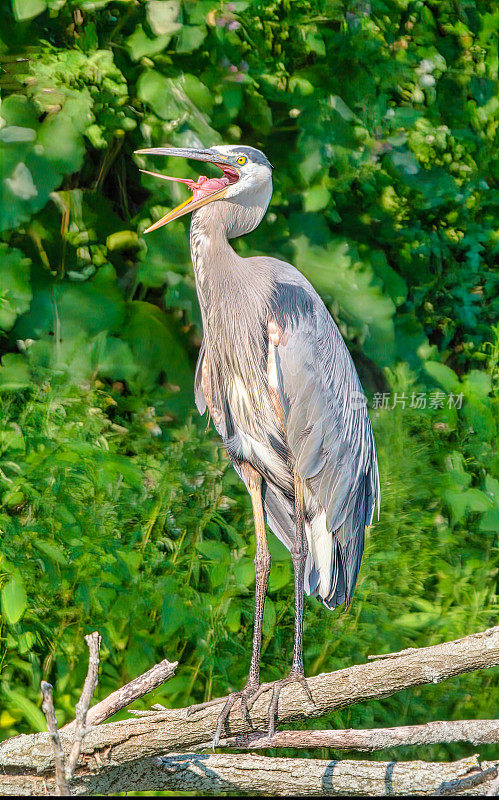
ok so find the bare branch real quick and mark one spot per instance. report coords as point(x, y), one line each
point(137, 688)
point(61, 786)
point(481, 731)
point(406, 652)
point(258, 775)
point(119, 744)
point(93, 641)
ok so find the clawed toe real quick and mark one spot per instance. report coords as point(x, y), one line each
point(248, 695)
point(200, 707)
point(293, 677)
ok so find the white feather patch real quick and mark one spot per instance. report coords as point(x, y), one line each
point(320, 544)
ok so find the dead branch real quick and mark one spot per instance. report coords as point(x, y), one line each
point(61, 786)
point(65, 765)
point(93, 641)
point(112, 752)
point(214, 774)
point(132, 691)
point(493, 788)
point(474, 731)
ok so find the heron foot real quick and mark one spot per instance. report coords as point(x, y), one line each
point(247, 696)
point(294, 676)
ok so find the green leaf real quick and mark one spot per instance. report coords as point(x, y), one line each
point(351, 284)
point(162, 16)
point(197, 92)
point(173, 615)
point(122, 240)
point(139, 44)
point(443, 375)
point(477, 500)
point(269, 617)
point(316, 198)
point(15, 288)
point(90, 307)
point(244, 571)
point(280, 575)
point(19, 702)
point(115, 466)
point(14, 599)
point(214, 551)
point(28, 9)
point(155, 346)
point(31, 169)
point(14, 373)
point(490, 520)
point(155, 90)
point(191, 36)
point(478, 382)
point(233, 616)
point(52, 550)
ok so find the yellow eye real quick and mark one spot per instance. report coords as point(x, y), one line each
point(242, 160)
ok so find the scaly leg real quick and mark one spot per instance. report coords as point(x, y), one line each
point(299, 557)
point(251, 691)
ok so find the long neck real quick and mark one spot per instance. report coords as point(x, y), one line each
point(234, 296)
point(225, 282)
point(213, 259)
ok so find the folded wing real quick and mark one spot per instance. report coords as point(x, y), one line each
point(329, 435)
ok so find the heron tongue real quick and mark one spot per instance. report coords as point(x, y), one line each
point(206, 186)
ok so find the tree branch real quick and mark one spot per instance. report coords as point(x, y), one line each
point(480, 731)
point(213, 774)
point(132, 691)
point(126, 748)
point(93, 641)
point(61, 785)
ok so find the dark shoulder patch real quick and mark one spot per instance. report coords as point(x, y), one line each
point(289, 303)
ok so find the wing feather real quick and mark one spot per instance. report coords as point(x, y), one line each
point(328, 428)
point(198, 389)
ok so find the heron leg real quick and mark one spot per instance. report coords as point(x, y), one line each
point(299, 558)
point(262, 571)
point(252, 690)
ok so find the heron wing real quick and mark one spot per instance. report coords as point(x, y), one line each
point(198, 389)
point(328, 432)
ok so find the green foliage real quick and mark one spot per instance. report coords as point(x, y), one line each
point(118, 511)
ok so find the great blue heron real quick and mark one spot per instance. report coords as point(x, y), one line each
point(284, 395)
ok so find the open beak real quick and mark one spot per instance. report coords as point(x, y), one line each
point(205, 190)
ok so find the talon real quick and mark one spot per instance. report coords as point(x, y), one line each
point(244, 708)
point(293, 677)
point(201, 707)
point(246, 696)
point(308, 692)
point(250, 702)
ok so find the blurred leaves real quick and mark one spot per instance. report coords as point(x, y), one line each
point(15, 287)
point(14, 599)
point(35, 156)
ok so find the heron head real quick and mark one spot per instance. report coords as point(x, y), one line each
point(246, 181)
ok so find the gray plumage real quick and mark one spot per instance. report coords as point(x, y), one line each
point(283, 393)
point(329, 441)
point(277, 377)
point(328, 437)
